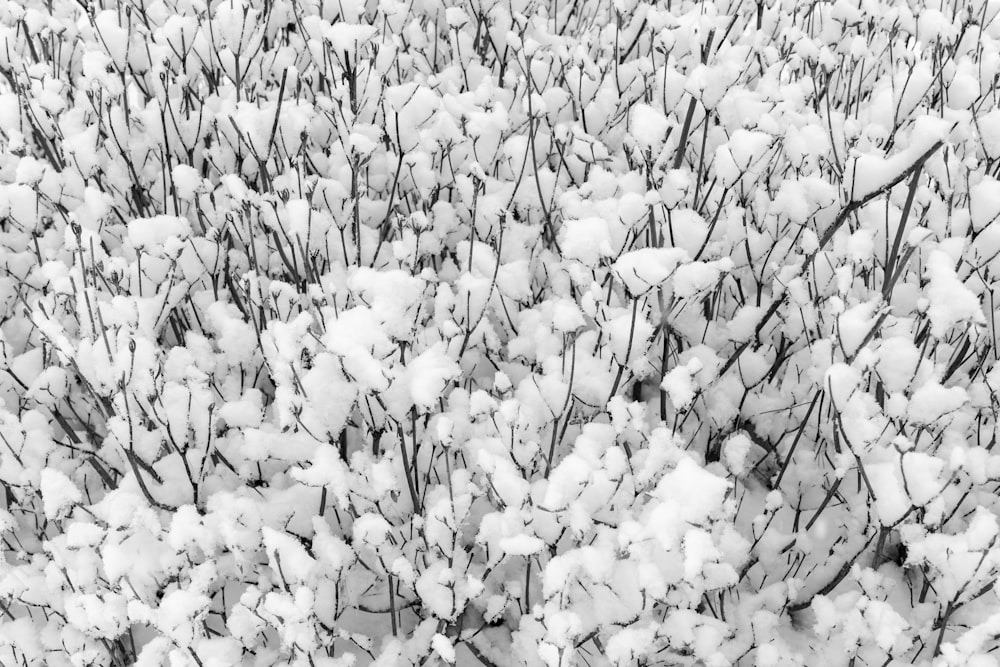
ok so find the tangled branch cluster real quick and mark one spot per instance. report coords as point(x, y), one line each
point(562, 333)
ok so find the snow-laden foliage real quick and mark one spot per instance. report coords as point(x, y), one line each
point(524, 333)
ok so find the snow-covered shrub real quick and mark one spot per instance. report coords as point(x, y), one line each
point(518, 333)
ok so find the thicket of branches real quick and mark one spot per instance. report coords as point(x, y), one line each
point(527, 333)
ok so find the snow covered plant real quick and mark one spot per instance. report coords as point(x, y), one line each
point(519, 333)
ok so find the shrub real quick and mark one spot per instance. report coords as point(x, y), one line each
point(629, 333)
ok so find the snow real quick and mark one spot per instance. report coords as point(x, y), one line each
point(743, 324)
point(629, 643)
point(951, 301)
point(932, 401)
point(694, 493)
point(854, 326)
point(744, 151)
point(58, 492)
point(347, 37)
point(567, 316)
point(114, 37)
point(650, 126)
point(246, 412)
point(891, 499)
point(287, 556)
point(680, 387)
point(96, 616)
point(627, 335)
point(456, 18)
point(186, 181)
point(444, 648)
point(178, 612)
point(870, 173)
point(521, 545)
point(423, 380)
point(364, 139)
point(151, 233)
point(735, 451)
point(361, 332)
point(988, 126)
point(50, 387)
point(586, 240)
point(897, 363)
point(984, 202)
point(982, 530)
point(642, 270)
point(371, 529)
point(922, 473)
point(334, 553)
